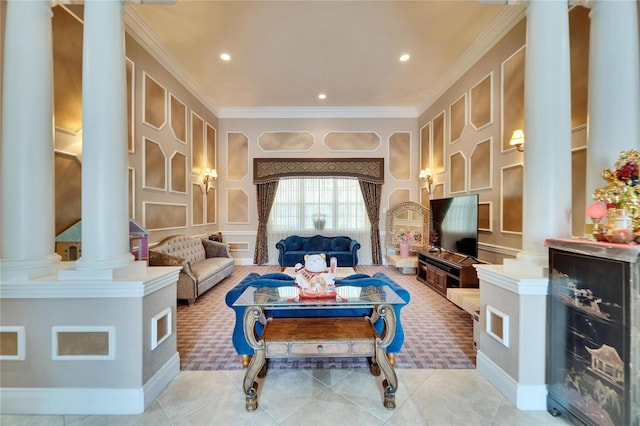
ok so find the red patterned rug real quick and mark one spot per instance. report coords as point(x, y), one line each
point(438, 334)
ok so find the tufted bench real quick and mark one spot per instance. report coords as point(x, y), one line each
point(291, 250)
point(204, 263)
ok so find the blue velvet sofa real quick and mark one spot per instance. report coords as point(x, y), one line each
point(280, 280)
point(291, 250)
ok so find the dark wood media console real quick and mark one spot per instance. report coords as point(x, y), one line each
point(442, 270)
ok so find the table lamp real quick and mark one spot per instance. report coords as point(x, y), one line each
point(596, 212)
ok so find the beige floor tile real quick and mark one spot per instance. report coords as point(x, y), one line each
point(29, 420)
point(331, 409)
point(153, 416)
point(509, 415)
point(193, 390)
point(228, 411)
point(282, 392)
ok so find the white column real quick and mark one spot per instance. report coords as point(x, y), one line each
point(28, 222)
point(105, 223)
point(547, 149)
point(614, 86)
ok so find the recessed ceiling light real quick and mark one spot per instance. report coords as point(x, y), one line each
point(225, 57)
point(322, 96)
point(405, 57)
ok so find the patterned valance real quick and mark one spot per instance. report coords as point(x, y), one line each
point(271, 169)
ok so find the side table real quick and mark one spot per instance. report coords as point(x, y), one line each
point(407, 265)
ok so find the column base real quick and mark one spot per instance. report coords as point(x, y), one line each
point(29, 269)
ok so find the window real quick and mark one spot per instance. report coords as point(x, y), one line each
point(334, 205)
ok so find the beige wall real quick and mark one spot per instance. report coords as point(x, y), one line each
point(495, 245)
point(253, 128)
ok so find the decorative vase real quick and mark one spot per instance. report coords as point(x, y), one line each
point(620, 229)
point(404, 250)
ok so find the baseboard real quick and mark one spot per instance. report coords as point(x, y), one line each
point(85, 400)
point(524, 397)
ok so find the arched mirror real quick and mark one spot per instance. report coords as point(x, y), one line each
point(407, 217)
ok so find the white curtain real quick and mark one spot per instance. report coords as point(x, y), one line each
point(325, 206)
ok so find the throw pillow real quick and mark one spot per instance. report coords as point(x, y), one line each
point(340, 244)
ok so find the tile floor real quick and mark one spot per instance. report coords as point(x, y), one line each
point(319, 397)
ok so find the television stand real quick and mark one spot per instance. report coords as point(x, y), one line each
point(442, 270)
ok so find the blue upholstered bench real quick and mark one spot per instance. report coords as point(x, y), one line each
point(280, 280)
point(291, 250)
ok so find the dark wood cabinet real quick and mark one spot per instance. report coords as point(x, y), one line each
point(442, 270)
point(593, 332)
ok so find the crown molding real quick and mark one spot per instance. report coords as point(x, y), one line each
point(318, 112)
point(142, 34)
point(501, 25)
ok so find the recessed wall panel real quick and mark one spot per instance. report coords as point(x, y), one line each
point(458, 175)
point(438, 143)
point(481, 103)
point(238, 155)
point(237, 206)
point(164, 216)
point(286, 141)
point(480, 170)
point(512, 199)
point(352, 141)
point(400, 155)
point(512, 96)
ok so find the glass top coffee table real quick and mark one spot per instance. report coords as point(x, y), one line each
point(332, 336)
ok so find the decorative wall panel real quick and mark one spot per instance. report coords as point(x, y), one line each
point(212, 196)
point(511, 204)
point(286, 141)
point(197, 143)
point(352, 141)
point(132, 193)
point(457, 118)
point(238, 155)
point(437, 162)
point(578, 191)
point(211, 146)
point(237, 206)
point(481, 103)
point(179, 172)
point(399, 196)
point(438, 191)
point(425, 197)
point(238, 246)
point(579, 26)
point(67, 69)
point(130, 67)
point(400, 155)
point(178, 118)
point(68, 194)
point(159, 216)
point(154, 110)
point(512, 96)
point(458, 172)
point(485, 211)
point(83, 342)
point(425, 144)
point(154, 165)
point(481, 162)
point(197, 204)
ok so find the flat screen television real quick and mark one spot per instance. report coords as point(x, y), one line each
point(454, 224)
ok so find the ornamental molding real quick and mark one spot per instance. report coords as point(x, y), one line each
point(272, 169)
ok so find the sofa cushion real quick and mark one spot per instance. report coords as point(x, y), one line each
point(208, 267)
point(316, 243)
point(294, 243)
point(182, 246)
point(340, 244)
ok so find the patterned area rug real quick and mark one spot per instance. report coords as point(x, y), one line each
point(438, 334)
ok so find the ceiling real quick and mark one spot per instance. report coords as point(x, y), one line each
point(284, 53)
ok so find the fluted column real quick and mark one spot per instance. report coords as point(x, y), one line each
point(614, 86)
point(28, 229)
point(547, 126)
point(105, 224)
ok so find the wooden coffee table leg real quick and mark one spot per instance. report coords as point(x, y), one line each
point(390, 384)
point(249, 385)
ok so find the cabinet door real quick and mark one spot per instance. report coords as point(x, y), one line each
point(589, 337)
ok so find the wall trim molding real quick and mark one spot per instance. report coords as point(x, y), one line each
point(94, 401)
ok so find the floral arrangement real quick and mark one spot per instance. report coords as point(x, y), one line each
point(406, 235)
point(623, 186)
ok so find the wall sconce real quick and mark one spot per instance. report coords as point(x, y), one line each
point(517, 140)
point(209, 176)
point(427, 179)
